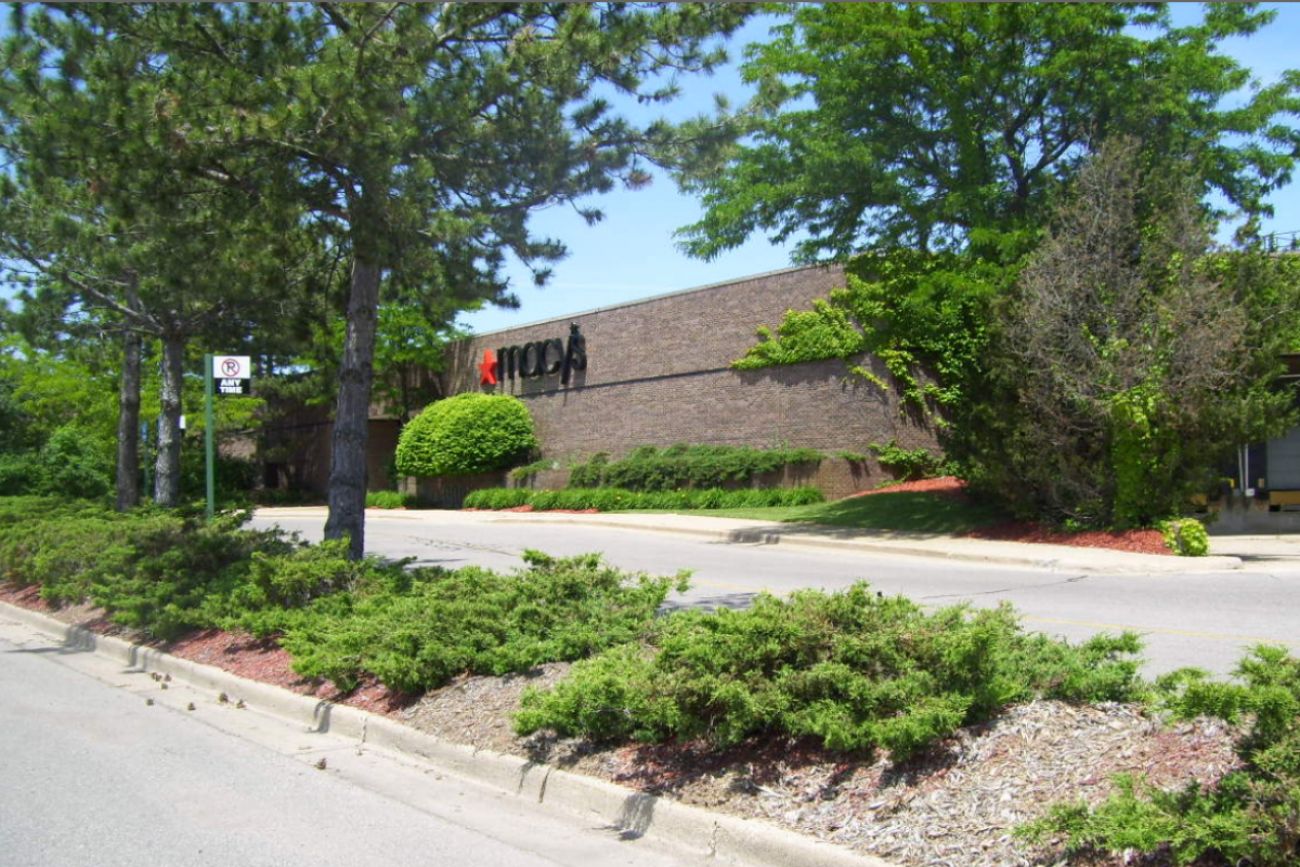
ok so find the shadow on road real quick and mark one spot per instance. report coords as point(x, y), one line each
point(734, 601)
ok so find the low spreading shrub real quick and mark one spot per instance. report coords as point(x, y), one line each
point(416, 631)
point(468, 433)
point(412, 629)
point(852, 670)
point(1251, 816)
point(151, 570)
point(1186, 537)
point(617, 499)
point(686, 466)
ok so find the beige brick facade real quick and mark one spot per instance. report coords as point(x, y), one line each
point(658, 373)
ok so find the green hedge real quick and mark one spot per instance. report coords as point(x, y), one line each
point(388, 500)
point(685, 466)
point(468, 433)
point(617, 499)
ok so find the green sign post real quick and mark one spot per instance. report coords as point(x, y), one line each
point(226, 374)
point(209, 440)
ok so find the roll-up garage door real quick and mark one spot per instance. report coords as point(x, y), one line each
point(1284, 462)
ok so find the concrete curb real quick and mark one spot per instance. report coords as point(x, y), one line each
point(635, 814)
point(1059, 556)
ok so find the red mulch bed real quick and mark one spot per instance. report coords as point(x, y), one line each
point(1133, 541)
point(266, 661)
point(24, 597)
point(948, 485)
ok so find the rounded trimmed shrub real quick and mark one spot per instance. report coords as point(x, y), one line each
point(1186, 537)
point(468, 433)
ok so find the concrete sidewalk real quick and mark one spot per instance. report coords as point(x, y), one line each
point(1229, 552)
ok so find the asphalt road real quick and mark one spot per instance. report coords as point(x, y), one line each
point(90, 774)
point(1202, 619)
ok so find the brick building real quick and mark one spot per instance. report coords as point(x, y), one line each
point(658, 372)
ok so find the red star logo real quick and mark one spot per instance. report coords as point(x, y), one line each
point(488, 369)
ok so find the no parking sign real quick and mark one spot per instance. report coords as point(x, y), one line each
point(232, 374)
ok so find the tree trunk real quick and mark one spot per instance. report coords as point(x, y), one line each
point(347, 487)
point(167, 471)
point(128, 425)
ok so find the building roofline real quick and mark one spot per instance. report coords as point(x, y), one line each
point(652, 298)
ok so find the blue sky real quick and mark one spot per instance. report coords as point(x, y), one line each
point(632, 254)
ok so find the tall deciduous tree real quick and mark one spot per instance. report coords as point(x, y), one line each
point(917, 125)
point(420, 136)
point(1131, 358)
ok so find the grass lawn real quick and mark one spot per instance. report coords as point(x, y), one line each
point(910, 511)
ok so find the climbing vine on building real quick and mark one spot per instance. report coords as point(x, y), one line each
point(924, 316)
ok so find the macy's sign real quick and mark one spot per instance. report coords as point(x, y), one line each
point(536, 359)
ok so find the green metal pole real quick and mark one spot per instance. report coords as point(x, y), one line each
point(209, 438)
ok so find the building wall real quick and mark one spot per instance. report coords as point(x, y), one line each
point(658, 373)
point(296, 451)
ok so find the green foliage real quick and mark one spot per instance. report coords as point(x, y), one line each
point(845, 147)
point(468, 433)
point(923, 316)
point(72, 463)
point(151, 570)
point(1129, 357)
point(1186, 537)
point(425, 626)
point(853, 670)
point(45, 389)
point(528, 471)
point(341, 618)
point(1251, 816)
point(235, 478)
point(388, 500)
point(497, 498)
point(824, 332)
point(19, 473)
point(621, 499)
point(588, 473)
point(908, 464)
point(1144, 456)
point(686, 466)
